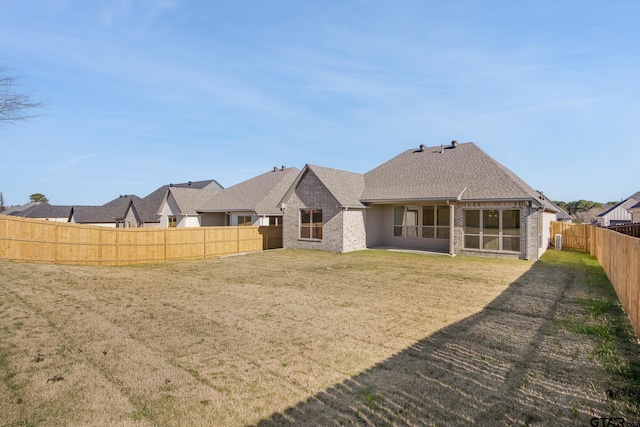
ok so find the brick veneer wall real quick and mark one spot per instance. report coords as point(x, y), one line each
point(312, 194)
point(528, 230)
point(355, 237)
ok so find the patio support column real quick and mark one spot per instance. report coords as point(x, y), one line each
point(451, 228)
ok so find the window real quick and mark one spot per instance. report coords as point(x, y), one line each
point(172, 221)
point(429, 221)
point(244, 220)
point(405, 222)
point(275, 220)
point(492, 229)
point(311, 224)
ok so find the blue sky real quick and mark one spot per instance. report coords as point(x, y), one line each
point(142, 93)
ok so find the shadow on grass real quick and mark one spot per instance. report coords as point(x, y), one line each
point(526, 359)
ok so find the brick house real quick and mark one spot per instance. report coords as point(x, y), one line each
point(453, 199)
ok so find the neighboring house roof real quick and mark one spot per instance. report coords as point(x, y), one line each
point(345, 187)
point(188, 199)
point(461, 171)
point(11, 209)
point(44, 210)
point(122, 200)
point(150, 205)
point(260, 194)
point(100, 214)
point(636, 206)
point(635, 197)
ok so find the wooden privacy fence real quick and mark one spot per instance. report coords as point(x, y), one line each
point(51, 242)
point(574, 236)
point(619, 256)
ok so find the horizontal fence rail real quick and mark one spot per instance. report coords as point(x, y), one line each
point(31, 240)
point(619, 256)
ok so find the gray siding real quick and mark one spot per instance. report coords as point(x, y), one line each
point(386, 237)
point(374, 225)
point(211, 219)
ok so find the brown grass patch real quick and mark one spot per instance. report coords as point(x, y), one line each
point(238, 340)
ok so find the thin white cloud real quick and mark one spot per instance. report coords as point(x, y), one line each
point(71, 162)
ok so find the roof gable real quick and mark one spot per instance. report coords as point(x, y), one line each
point(625, 204)
point(187, 199)
point(149, 206)
point(345, 187)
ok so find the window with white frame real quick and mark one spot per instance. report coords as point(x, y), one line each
point(426, 221)
point(311, 224)
point(171, 221)
point(492, 229)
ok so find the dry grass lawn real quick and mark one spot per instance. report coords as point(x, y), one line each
point(292, 337)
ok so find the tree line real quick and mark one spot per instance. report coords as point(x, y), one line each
point(582, 206)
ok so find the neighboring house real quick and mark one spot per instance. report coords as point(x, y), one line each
point(44, 211)
point(251, 202)
point(178, 208)
point(454, 199)
point(635, 213)
point(151, 204)
point(131, 211)
point(120, 213)
point(618, 214)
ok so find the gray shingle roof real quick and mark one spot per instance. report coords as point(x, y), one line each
point(98, 214)
point(260, 194)
point(189, 199)
point(150, 204)
point(11, 210)
point(464, 172)
point(122, 201)
point(44, 210)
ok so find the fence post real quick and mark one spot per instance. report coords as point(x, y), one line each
point(164, 246)
point(55, 244)
point(117, 246)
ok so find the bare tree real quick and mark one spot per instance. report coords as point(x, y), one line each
point(15, 105)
